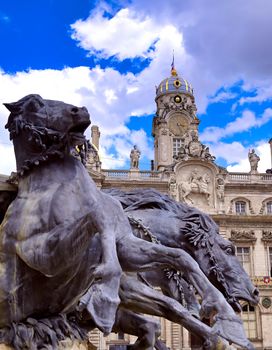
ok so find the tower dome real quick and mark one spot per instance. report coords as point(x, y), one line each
point(174, 84)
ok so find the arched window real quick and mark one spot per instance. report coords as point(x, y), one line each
point(269, 207)
point(240, 207)
point(250, 321)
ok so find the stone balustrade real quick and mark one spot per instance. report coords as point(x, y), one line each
point(247, 177)
point(134, 173)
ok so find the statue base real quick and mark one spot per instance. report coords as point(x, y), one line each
point(64, 345)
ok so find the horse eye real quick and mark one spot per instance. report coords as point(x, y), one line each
point(229, 251)
point(74, 110)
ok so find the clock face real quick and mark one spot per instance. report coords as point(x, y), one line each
point(178, 125)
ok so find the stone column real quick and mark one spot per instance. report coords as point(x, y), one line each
point(270, 142)
point(95, 135)
point(164, 146)
point(185, 339)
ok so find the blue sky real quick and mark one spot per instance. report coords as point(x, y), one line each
point(109, 55)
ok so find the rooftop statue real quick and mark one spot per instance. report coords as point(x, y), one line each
point(253, 161)
point(134, 158)
point(66, 247)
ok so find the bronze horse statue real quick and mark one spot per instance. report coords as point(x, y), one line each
point(196, 233)
point(64, 243)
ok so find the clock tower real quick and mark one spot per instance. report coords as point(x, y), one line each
point(175, 122)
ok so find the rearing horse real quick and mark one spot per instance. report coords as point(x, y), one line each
point(62, 238)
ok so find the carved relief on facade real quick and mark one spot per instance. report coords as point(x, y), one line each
point(176, 103)
point(92, 160)
point(191, 147)
point(267, 236)
point(220, 193)
point(243, 236)
point(172, 185)
point(195, 185)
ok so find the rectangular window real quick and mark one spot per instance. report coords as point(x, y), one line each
point(243, 255)
point(249, 320)
point(269, 208)
point(270, 261)
point(176, 146)
point(240, 208)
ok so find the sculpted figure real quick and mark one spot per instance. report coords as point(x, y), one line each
point(64, 244)
point(93, 160)
point(253, 160)
point(195, 147)
point(220, 190)
point(196, 184)
point(48, 228)
point(172, 187)
point(205, 154)
point(158, 218)
point(134, 158)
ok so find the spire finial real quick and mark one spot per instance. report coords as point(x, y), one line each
point(173, 69)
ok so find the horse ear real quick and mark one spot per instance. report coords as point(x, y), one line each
point(14, 108)
point(31, 103)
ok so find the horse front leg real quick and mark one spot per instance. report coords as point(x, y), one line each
point(138, 255)
point(146, 329)
point(140, 298)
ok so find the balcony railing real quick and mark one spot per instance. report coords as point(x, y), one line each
point(134, 174)
point(247, 177)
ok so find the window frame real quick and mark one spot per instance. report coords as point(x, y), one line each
point(240, 245)
point(269, 260)
point(175, 148)
point(248, 321)
point(240, 202)
point(268, 207)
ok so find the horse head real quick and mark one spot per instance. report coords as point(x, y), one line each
point(44, 129)
point(216, 257)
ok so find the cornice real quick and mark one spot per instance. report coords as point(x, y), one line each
point(240, 219)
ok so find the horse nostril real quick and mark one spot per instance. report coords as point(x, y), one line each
point(256, 292)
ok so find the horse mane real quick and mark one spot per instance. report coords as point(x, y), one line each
point(194, 222)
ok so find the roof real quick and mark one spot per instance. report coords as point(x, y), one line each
point(174, 84)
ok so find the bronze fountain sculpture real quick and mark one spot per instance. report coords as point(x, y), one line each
point(72, 258)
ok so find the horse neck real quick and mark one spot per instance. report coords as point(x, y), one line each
point(53, 172)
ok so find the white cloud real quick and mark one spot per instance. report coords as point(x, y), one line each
point(7, 164)
point(262, 93)
point(124, 146)
point(231, 152)
point(125, 35)
point(247, 121)
point(216, 44)
point(103, 92)
point(223, 96)
point(263, 151)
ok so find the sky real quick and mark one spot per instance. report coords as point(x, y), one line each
point(110, 55)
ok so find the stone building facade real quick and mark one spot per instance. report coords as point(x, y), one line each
point(184, 168)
